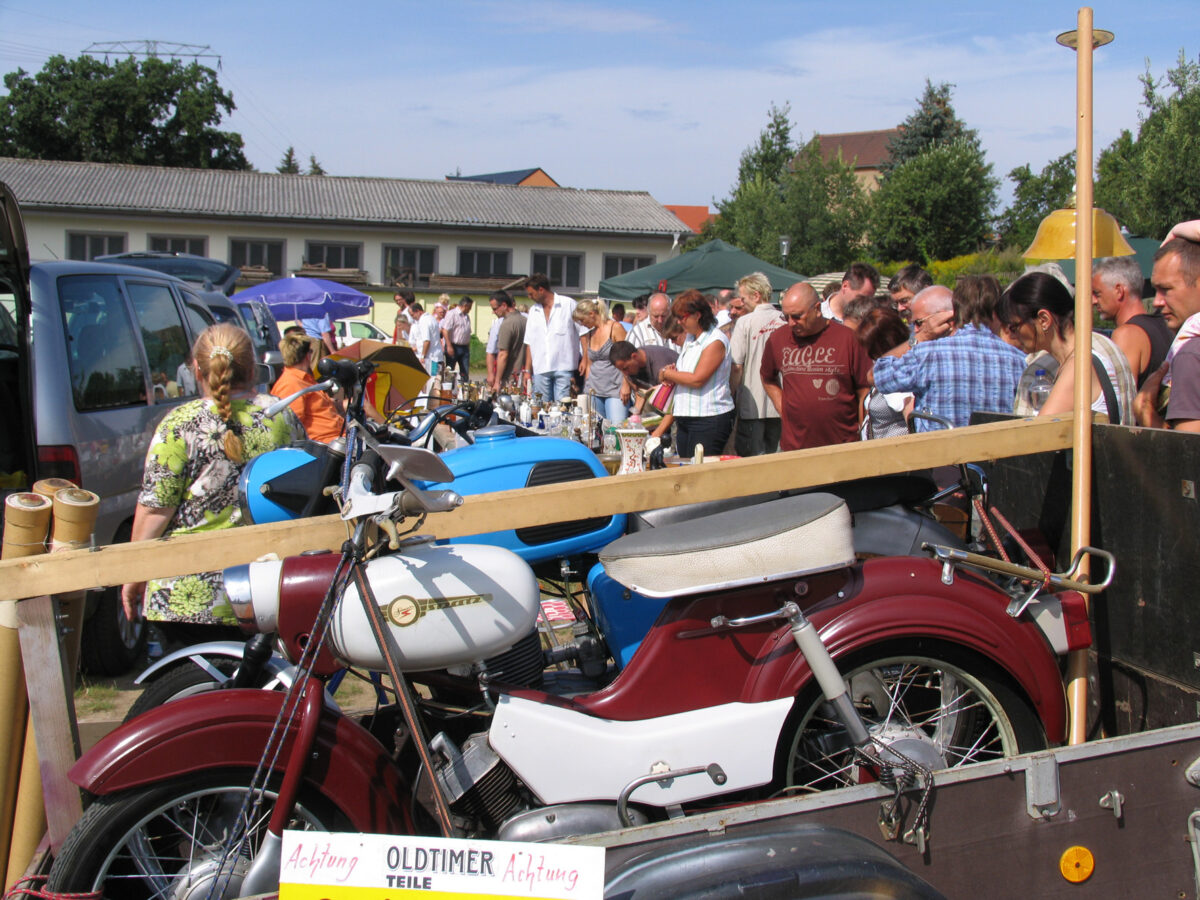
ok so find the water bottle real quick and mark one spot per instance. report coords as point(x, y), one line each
point(1039, 389)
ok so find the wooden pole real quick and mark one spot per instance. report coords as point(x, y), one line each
point(1081, 483)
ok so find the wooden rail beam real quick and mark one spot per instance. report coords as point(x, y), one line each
point(120, 563)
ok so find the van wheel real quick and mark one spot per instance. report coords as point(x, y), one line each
point(112, 645)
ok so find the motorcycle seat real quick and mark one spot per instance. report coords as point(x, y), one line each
point(786, 538)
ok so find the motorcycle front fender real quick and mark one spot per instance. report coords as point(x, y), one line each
point(229, 730)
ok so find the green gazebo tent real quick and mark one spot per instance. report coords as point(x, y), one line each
point(709, 267)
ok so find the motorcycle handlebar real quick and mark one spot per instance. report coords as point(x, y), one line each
point(280, 405)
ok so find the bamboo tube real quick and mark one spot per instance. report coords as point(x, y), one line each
point(29, 816)
point(48, 487)
point(26, 520)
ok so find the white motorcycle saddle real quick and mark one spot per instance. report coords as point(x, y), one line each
point(781, 539)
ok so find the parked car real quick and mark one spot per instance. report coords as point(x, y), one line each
point(217, 280)
point(112, 341)
point(347, 331)
point(210, 274)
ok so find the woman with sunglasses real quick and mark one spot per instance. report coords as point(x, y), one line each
point(703, 404)
point(1038, 313)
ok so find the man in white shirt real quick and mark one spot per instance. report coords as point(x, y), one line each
point(649, 331)
point(860, 280)
point(552, 348)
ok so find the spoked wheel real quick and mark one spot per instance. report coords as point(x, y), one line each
point(165, 841)
point(936, 704)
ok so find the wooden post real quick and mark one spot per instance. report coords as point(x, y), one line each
point(1081, 484)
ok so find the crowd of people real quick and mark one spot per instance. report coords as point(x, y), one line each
point(729, 371)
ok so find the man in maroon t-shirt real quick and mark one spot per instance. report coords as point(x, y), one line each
point(816, 373)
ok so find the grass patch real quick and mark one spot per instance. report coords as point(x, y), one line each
point(94, 698)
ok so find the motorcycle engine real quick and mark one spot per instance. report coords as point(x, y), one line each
point(476, 782)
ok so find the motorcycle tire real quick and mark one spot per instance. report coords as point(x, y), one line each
point(958, 707)
point(182, 680)
point(145, 842)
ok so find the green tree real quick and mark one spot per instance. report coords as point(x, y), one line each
point(824, 211)
point(933, 123)
point(150, 112)
point(1034, 197)
point(770, 157)
point(819, 205)
point(1153, 181)
point(935, 206)
point(289, 164)
point(314, 167)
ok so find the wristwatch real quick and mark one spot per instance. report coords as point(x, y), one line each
point(912, 340)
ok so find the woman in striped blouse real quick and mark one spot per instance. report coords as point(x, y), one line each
point(703, 403)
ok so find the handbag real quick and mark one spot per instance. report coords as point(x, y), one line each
point(660, 398)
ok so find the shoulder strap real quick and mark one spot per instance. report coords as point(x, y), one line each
point(1110, 396)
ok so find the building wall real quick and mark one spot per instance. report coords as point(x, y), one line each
point(47, 233)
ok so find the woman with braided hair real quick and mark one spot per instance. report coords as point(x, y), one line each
point(190, 479)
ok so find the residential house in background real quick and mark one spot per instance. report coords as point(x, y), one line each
point(455, 234)
point(523, 177)
point(865, 150)
point(694, 217)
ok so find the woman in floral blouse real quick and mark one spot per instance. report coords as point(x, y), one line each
point(191, 474)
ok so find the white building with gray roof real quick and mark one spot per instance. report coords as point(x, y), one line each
point(381, 226)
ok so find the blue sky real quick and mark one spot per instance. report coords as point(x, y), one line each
point(649, 96)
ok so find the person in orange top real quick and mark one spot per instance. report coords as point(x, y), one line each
point(316, 411)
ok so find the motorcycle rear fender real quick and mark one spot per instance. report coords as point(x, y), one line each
point(966, 614)
point(228, 730)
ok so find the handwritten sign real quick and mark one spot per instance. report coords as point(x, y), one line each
point(321, 866)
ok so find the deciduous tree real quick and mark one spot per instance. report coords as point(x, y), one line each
point(819, 205)
point(1034, 197)
point(1152, 181)
point(149, 112)
point(935, 206)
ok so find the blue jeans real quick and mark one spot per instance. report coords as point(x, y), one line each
point(462, 358)
point(610, 408)
point(552, 385)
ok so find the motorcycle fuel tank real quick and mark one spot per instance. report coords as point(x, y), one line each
point(444, 605)
point(500, 461)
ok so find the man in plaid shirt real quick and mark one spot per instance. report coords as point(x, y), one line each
point(969, 369)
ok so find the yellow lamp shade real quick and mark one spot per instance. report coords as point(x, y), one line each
point(1055, 237)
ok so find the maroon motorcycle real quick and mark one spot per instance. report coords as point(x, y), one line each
point(776, 663)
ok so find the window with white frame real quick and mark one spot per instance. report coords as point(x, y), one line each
point(565, 270)
point(257, 252)
point(90, 244)
point(484, 262)
point(334, 256)
point(615, 264)
point(178, 243)
point(399, 262)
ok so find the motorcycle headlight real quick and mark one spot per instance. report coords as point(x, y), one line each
point(241, 597)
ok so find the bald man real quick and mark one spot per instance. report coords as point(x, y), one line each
point(649, 331)
point(816, 373)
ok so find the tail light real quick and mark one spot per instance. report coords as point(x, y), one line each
point(59, 461)
point(1075, 616)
